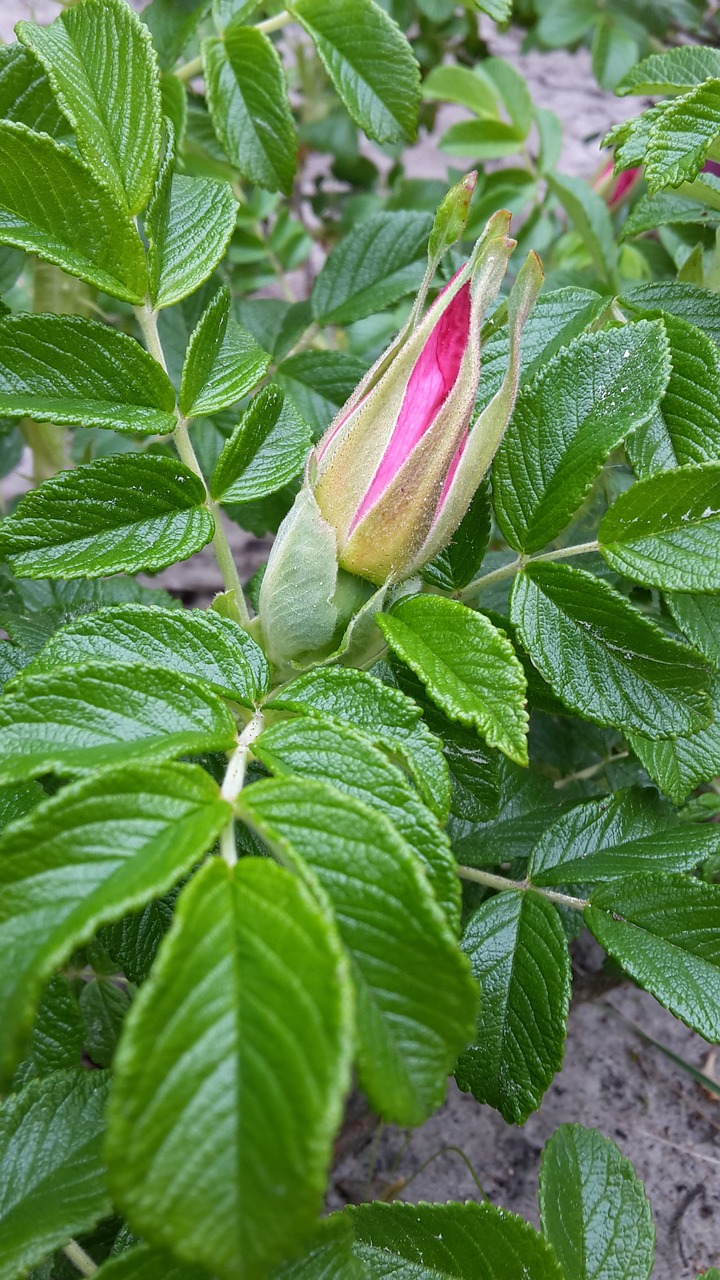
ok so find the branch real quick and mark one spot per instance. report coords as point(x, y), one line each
point(491, 881)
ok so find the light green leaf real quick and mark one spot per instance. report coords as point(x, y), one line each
point(700, 307)
point(100, 848)
point(670, 207)
point(319, 383)
point(70, 370)
point(188, 224)
point(118, 514)
point(686, 427)
point(590, 217)
point(605, 660)
point(53, 1184)
point(518, 952)
point(449, 1242)
point(665, 932)
point(672, 70)
point(678, 765)
point(106, 713)
point(309, 747)
point(26, 96)
point(681, 135)
point(248, 100)
point(224, 11)
point(147, 1263)
point(266, 450)
point(383, 714)
point(468, 88)
point(482, 139)
point(469, 667)
point(223, 361)
point(623, 834)
point(664, 530)
point(103, 71)
point(370, 63)
point(51, 204)
point(381, 261)
point(614, 51)
point(416, 1001)
point(566, 422)
point(194, 642)
point(231, 1073)
point(593, 1208)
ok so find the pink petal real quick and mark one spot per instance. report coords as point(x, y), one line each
point(431, 381)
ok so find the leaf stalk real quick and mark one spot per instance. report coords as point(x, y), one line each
point(492, 881)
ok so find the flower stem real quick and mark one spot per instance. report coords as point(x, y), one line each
point(80, 1258)
point(147, 319)
point(233, 781)
point(491, 881)
point(509, 570)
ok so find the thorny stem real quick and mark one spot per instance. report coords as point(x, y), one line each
point(147, 319)
point(509, 570)
point(80, 1258)
point(232, 783)
point(491, 881)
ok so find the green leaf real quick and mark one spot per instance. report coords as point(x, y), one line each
point(674, 69)
point(224, 11)
point(330, 1257)
point(614, 51)
point(106, 713)
point(663, 531)
point(590, 217)
point(69, 370)
point(133, 941)
point(51, 1153)
point(665, 932)
point(103, 1006)
point(248, 101)
point(681, 135)
point(468, 88)
point(458, 563)
point(316, 748)
point(449, 1242)
point(26, 96)
point(605, 660)
point(518, 952)
point(223, 361)
point(623, 834)
point(498, 10)
point(669, 207)
point(100, 848)
point(56, 1040)
point(102, 67)
point(319, 383)
point(482, 139)
point(382, 714)
point(469, 667)
point(593, 1208)
point(700, 307)
point(557, 317)
point(194, 642)
point(698, 617)
point(416, 1000)
point(266, 450)
point(566, 422)
point(369, 62)
point(680, 764)
point(686, 427)
point(118, 514)
point(379, 263)
point(147, 1263)
point(51, 204)
point(231, 1073)
point(188, 224)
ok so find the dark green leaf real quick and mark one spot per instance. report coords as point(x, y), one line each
point(172, 23)
point(265, 451)
point(370, 63)
point(101, 65)
point(70, 370)
point(678, 765)
point(147, 1263)
point(103, 1006)
point(248, 101)
point(699, 618)
point(194, 642)
point(519, 955)
point(459, 562)
point(56, 1039)
point(604, 659)
point(225, 1159)
point(382, 260)
point(593, 1208)
point(319, 382)
point(698, 306)
point(118, 514)
point(54, 1179)
point(665, 932)
point(330, 1256)
point(223, 361)
point(133, 941)
point(416, 1000)
point(469, 668)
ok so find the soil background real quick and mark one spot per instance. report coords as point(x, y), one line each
point(660, 1118)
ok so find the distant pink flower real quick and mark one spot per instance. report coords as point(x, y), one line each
point(615, 188)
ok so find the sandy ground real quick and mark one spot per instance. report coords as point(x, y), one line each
point(666, 1124)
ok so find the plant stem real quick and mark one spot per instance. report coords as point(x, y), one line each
point(190, 69)
point(147, 319)
point(583, 774)
point(509, 570)
point(491, 881)
point(80, 1258)
point(233, 781)
point(273, 24)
